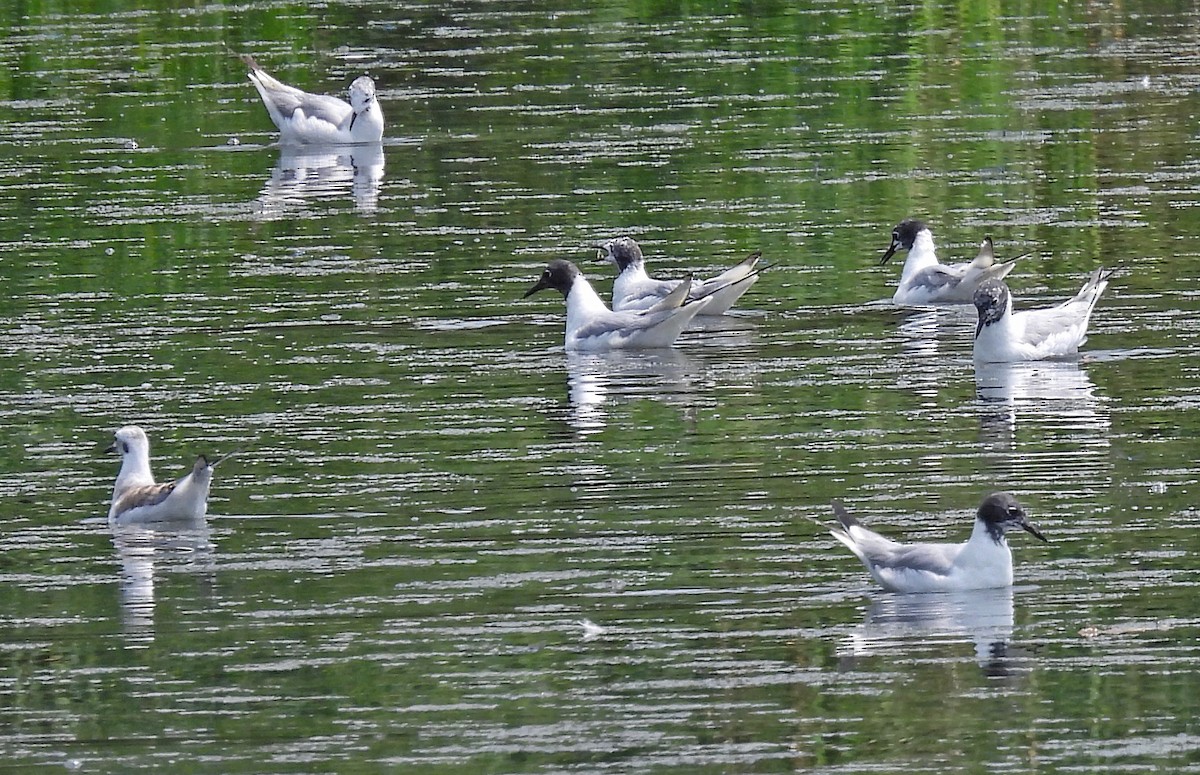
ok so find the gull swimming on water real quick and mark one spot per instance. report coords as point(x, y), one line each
point(592, 326)
point(924, 280)
point(1002, 335)
point(984, 561)
point(137, 498)
point(316, 118)
point(635, 290)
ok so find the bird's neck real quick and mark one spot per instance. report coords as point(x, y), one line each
point(631, 278)
point(922, 255)
point(988, 533)
point(583, 303)
point(987, 555)
point(634, 270)
point(366, 122)
point(135, 471)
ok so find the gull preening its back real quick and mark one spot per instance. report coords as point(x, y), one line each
point(925, 280)
point(634, 290)
point(1002, 335)
point(137, 498)
point(304, 118)
point(983, 561)
point(592, 326)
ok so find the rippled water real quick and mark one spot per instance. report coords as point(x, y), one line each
point(447, 546)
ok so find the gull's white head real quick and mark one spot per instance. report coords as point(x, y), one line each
point(362, 93)
point(366, 118)
point(131, 443)
point(130, 440)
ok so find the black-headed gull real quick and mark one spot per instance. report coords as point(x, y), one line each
point(138, 499)
point(924, 280)
point(635, 290)
point(593, 327)
point(984, 561)
point(1002, 335)
point(305, 118)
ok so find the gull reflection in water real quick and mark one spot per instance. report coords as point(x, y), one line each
point(897, 624)
point(318, 172)
point(146, 553)
point(1054, 393)
point(923, 330)
point(595, 379)
point(930, 340)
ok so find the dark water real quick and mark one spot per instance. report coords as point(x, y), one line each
point(448, 546)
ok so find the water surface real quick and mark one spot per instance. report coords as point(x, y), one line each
point(446, 545)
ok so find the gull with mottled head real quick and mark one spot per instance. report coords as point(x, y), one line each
point(635, 290)
point(1002, 335)
point(593, 327)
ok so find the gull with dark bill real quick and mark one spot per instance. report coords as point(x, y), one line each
point(984, 561)
point(137, 499)
point(317, 119)
point(593, 327)
point(635, 290)
point(925, 280)
point(1002, 335)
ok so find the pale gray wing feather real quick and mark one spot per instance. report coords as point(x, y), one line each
point(288, 99)
point(1070, 318)
point(1042, 324)
point(329, 109)
point(735, 273)
point(674, 299)
point(645, 294)
point(936, 278)
point(879, 553)
point(629, 322)
point(922, 557)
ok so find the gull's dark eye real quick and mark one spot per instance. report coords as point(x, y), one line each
point(1014, 511)
point(124, 448)
point(896, 235)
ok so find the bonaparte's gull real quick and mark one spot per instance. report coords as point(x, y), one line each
point(982, 562)
point(137, 498)
point(316, 118)
point(635, 290)
point(593, 327)
point(924, 280)
point(1032, 335)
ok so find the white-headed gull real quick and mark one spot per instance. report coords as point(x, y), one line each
point(305, 118)
point(138, 499)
